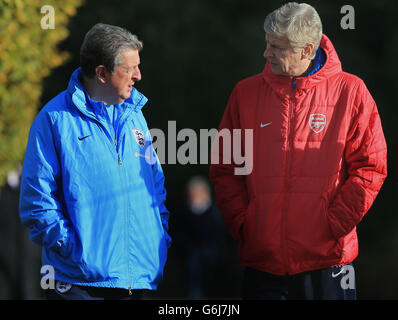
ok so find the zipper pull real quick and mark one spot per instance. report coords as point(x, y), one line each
point(119, 160)
point(115, 143)
point(130, 292)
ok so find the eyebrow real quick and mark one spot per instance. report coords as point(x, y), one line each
point(132, 66)
point(275, 45)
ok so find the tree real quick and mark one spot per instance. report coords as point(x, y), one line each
point(29, 33)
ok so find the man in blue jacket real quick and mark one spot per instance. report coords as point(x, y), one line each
point(92, 189)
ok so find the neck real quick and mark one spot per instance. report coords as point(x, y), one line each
point(307, 70)
point(93, 89)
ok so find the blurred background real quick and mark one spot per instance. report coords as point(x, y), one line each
point(194, 53)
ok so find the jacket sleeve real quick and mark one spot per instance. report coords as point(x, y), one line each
point(230, 188)
point(366, 162)
point(40, 199)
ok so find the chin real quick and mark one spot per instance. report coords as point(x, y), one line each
point(125, 97)
point(276, 71)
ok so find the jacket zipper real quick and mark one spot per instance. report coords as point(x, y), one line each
point(285, 211)
point(120, 163)
point(119, 160)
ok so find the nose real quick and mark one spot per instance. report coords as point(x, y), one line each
point(136, 75)
point(267, 52)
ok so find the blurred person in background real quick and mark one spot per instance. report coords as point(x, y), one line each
point(319, 161)
point(203, 237)
point(20, 258)
point(91, 192)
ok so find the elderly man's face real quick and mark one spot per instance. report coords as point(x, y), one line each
point(120, 83)
point(282, 57)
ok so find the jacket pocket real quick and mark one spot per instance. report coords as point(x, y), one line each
point(65, 263)
point(66, 248)
point(260, 243)
point(338, 247)
point(248, 215)
point(308, 234)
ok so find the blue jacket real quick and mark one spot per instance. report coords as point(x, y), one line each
point(92, 192)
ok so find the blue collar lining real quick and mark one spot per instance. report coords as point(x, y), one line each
point(318, 63)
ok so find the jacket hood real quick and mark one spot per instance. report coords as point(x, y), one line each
point(82, 101)
point(331, 67)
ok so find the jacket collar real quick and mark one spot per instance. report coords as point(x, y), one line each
point(85, 104)
point(331, 67)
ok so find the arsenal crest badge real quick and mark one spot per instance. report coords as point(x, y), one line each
point(139, 137)
point(317, 122)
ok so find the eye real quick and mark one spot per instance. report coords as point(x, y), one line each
point(273, 46)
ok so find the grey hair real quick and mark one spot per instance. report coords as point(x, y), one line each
point(299, 23)
point(103, 44)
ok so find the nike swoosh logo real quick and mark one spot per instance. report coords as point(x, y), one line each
point(265, 124)
point(334, 275)
point(82, 138)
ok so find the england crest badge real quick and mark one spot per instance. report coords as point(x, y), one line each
point(139, 137)
point(62, 287)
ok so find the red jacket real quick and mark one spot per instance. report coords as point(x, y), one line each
point(318, 164)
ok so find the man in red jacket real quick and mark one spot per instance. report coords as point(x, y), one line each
point(319, 161)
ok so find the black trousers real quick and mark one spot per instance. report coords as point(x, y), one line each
point(64, 291)
point(335, 283)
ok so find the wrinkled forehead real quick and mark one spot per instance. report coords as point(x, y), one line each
point(128, 57)
point(272, 38)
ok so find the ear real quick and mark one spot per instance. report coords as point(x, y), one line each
point(307, 50)
point(101, 74)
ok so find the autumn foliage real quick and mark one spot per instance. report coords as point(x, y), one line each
point(28, 53)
